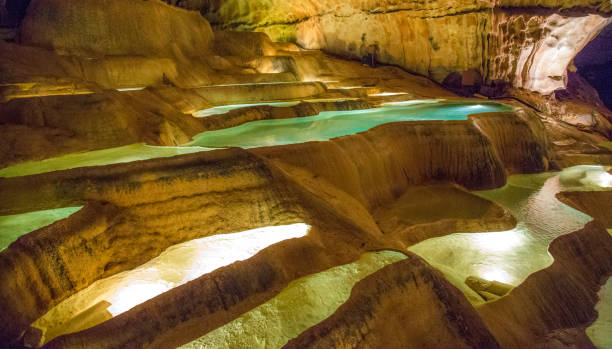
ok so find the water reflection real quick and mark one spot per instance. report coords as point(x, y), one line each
point(177, 265)
point(510, 256)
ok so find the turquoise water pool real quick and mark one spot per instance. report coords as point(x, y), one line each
point(128, 153)
point(222, 109)
point(263, 133)
point(333, 124)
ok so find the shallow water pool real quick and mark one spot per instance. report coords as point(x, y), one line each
point(262, 133)
point(302, 304)
point(510, 256)
point(331, 124)
point(14, 226)
point(176, 266)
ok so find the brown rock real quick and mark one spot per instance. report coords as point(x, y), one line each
point(115, 28)
point(404, 305)
point(562, 296)
point(597, 204)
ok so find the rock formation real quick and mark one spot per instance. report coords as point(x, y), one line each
point(126, 27)
point(595, 204)
point(382, 309)
point(476, 165)
point(553, 302)
point(139, 83)
point(508, 40)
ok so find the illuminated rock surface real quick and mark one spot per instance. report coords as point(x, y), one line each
point(121, 24)
point(529, 44)
point(120, 212)
point(304, 303)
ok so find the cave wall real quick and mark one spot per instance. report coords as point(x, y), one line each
point(534, 50)
point(128, 28)
point(514, 41)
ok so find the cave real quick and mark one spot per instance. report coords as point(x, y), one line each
point(305, 174)
point(594, 63)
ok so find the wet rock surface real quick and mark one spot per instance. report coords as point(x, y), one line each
point(148, 78)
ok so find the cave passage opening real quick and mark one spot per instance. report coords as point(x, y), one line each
point(594, 64)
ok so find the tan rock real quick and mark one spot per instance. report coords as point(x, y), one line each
point(41, 127)
point(404, 305)
point(115, 28)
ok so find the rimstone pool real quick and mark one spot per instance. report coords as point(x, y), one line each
point(510, 256)
point(507, 256)
point(263, 133)
point(305, 174)
point(331, 124)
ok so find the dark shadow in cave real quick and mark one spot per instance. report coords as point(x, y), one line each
point(13, 12)
point(594, 63)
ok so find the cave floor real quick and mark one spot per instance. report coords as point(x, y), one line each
point(255, 212)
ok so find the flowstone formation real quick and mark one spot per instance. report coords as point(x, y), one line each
point(168, 181)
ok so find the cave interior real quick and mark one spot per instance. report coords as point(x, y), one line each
point(305, 174)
